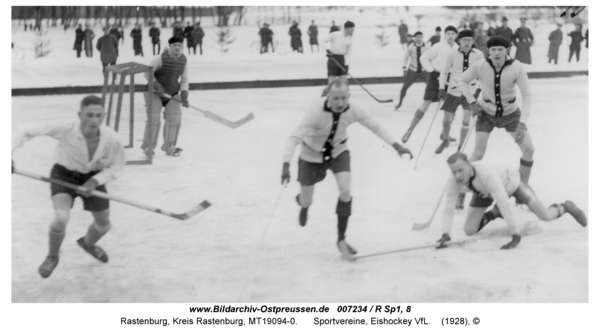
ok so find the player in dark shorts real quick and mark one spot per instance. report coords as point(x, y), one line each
point(496, 106)
point(90, 155)
point(323, 135)
point(338, 45)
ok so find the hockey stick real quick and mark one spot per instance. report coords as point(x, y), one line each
point(272, 214)
point(427, 135)
point(406, 249)
point(421, 226)
point(212, 116)
point(197, 209)
point(355, 80)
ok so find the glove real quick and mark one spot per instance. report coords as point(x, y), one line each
point(516, 239)
point(159, 89)
point(328, 53)
point(401, 150)
point(521, 132)
point(285, 173)
point(476, 109)
point(442, 94)
point(445, 239)
point(347, 68)
point(90, 185)
point(184, 99)
point(404, 71)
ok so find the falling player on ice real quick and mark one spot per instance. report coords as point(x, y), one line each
point(495, 183)
point(168, 68)
point(89, 155)
point(456, 63)
point(496, 106)
point(323, 135)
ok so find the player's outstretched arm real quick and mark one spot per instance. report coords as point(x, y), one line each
point(402, 150)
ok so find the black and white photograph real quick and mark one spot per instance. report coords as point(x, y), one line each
point(260, 154)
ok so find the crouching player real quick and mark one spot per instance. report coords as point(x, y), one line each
point(490, 184)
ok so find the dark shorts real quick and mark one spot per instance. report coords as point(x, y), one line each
point(333, 69)
point(523, 194)
point(310, 173)
point(433, 87)
point(486, 123)
point(452, 102)
point(91, 203)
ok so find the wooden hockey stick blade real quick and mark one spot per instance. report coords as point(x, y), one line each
point(421, 226)
point(406, 249)
point(194, 211)
point(215, 117)
point(103, 195)
point(139, 162)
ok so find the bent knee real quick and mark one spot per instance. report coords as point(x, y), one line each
point(59, 223)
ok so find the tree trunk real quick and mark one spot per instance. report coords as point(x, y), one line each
point(194, 15)
point(182, 9)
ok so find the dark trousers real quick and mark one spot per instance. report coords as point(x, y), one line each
point(78, 52)
point(574, 51)
point(411, 77)
point(154, 51)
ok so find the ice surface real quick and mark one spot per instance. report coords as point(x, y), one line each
point(217, 256)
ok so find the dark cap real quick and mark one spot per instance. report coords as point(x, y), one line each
point(504, 18)
point(438, 29)
point(417, 34)
point(175, 39)
point(450, 28)
point(465, 33)
point(348, 24)
point(498, 41)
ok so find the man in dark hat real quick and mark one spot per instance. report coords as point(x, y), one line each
point(169, 68)
point(556, 39)
point(523, 39)
point(505, 32)
point(456, 63)
point(296, 38)
point(435, 38)
point(413, 70)
point(313, 34)
point(88, 41)
point(136, 35)
point(496, 106)
point(576, 40)
point(338, 45)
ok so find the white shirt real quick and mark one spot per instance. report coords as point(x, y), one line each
point(495, 181)
point(338, 43)
point(435, 58)
point(314, 130)
point(455, 66)
point(72, 149)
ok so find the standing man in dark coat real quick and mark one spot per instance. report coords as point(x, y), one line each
point(505, 32)
point(523, 39)
point(155, 37)
point(88, 41)
point(197, 36)
point(576, 39)
point(187, 33)
point(296, 35)
point(403, 32)
point(556, 39)
point(313, 33)
point(266, 38)
point(78, 40)
point(108, 45)
point(136, 35)
point(178, 30)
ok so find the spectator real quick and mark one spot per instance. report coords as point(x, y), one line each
point(523, 39)
point(435, 38)
point(333, 27)
point(136, 35)
point(155, 37)
point(556, 39)
point(197, 36)
point(403, 32)
point(576, 39)
point(78, 40)
point(481, 39)
point(296, 35)
point(266, 38)
point(108, 45)
point(88, 41)
point(187, 34)
point(313, 33)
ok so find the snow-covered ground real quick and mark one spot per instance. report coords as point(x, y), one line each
point(218, 256)
point(243, 62)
